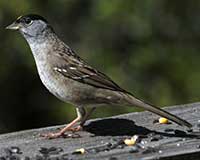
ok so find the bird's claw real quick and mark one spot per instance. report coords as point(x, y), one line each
point(51, 135)
point(60, 134)
point(76, 129)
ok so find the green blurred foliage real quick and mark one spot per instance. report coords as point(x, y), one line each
point(150, 48)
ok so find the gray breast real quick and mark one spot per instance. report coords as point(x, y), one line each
point(56, 84)
point(65, 89)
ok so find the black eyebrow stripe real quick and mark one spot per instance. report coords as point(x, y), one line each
point(32, 17)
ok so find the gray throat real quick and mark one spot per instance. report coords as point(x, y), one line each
point(41, 44)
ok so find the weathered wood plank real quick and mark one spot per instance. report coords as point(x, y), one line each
point(103, 139)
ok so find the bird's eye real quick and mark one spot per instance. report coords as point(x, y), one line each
point(28, 21)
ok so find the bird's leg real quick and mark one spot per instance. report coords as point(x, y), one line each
point(80, 114)
point(87, 116)
point(83, 120)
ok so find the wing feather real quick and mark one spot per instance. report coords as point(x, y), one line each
point(77, 69)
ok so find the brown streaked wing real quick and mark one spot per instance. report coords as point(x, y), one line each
point(78, 70)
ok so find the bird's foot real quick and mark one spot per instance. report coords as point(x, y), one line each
point(76, 129)
point(52, 135)
point(61, 133)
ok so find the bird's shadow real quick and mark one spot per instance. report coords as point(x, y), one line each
point(115, 127)
point(125, 127)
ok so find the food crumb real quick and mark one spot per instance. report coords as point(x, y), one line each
point(163, 120)
point(79, 151)
point(132, 141)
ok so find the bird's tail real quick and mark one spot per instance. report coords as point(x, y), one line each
point(139, 103)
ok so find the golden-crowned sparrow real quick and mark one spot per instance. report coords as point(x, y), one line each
point(70, 78)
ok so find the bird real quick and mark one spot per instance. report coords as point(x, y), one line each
point(71, 79)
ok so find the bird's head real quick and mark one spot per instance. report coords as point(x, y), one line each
point(31, 26)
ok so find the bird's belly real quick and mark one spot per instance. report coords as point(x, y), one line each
point(55, 84)
point(71, 91)
point(66, 89)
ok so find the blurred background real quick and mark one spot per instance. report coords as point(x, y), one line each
point(151, 48)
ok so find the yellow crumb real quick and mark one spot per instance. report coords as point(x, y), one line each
point(81, 150)
point(163, 120)
point(132, 141)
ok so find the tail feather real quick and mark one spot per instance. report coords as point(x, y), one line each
point(136, 102)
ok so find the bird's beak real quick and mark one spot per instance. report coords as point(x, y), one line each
point(13, 26)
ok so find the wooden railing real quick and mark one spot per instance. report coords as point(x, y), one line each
point(104, 139)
